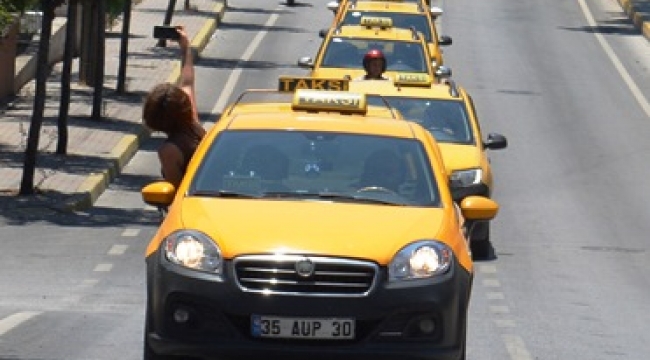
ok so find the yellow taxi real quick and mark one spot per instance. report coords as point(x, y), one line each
point(448, 112)
point(342, 51)
point(335, 5)
point(311, 231)
point(403, 15)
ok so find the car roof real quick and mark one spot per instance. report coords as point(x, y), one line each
point(445, 90)
point(308, 109)
point(387, 6)
point(360, 31)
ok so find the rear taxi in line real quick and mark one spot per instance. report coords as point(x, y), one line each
point(403, 15)
point(334, 5)
point(448, 112)
point(311, 231)
point(343, 48)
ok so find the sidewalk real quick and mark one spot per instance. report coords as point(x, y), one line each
point(639, 13)
point(97, 149)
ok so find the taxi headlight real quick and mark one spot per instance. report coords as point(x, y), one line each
point(464, 178)
point(193, 250)
point(422, 259)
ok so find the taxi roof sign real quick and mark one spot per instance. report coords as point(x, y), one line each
point(336, 101)
point(412, 79)
point(370, 21)
point(288, 83)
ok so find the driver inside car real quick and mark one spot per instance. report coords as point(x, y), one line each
point(383, 170)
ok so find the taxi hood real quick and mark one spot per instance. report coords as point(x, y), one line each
point(250, 226)
point(457, 156)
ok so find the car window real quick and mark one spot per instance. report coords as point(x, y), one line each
point(404, 56)
point(400, 20)
point(305, 163)
point(447, 120)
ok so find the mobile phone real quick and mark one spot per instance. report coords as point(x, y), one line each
point(166, 32)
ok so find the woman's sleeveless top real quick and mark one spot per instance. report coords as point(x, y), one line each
point(187, 141)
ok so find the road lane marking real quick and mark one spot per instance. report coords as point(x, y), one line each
point(493, 295)
point(117, 249)
point(636, 92)
point(236, 73)
point(516, 347)
point(130, 232)
point(504, 323)
point(103, 267)
point(488, 269)
point(499, 309)
point(16, 319)
point(491, 283)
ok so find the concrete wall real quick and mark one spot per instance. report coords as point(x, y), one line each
point(26, 64)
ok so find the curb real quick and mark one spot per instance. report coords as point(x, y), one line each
point(640, 19)
point(95, 184)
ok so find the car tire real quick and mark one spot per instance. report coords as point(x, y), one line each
point(480, 241)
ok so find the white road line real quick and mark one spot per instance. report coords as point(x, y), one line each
point(16, 319)
point(494, 295)
point(103, 267)
point(487, 269)
point(499, 309)
point(638, 95)
point(117, 249)
point(516, 347)
point(236, 73)
point(130, 232)
point(504, 323)
point(491, 283)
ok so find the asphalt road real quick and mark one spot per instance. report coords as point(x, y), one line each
point(569, 279)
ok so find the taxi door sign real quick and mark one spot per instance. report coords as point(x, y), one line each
point(292, 84)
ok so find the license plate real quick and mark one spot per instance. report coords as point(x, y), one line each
point(302, 328)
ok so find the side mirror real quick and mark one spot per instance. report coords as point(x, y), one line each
point(333, 6)
point(323, 33)
point(479, 208)
point(495, 141)
point(306, 62)
point(435, 11)
point(443, 72)
point(158, 194)
point(444, 40)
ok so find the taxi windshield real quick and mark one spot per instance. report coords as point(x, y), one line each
point(317, 165)
point(405, 56)
point(447, 120)
point(400, 20)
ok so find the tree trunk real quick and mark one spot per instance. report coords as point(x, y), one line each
point(98, 83)
point(70, 48)
point(29, 168)
point(124, 48)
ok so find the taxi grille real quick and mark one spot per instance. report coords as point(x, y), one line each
point(318, 276)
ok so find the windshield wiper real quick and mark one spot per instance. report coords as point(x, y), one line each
point(224, 194)
point(326, 195)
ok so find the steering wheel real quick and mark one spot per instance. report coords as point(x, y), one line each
point(376, 189)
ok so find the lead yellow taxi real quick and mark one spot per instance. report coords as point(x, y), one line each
point(448, 112)
point(343, 48)
point(403, 14)
point(311, 231)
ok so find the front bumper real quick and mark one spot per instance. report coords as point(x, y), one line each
point(387, 319)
